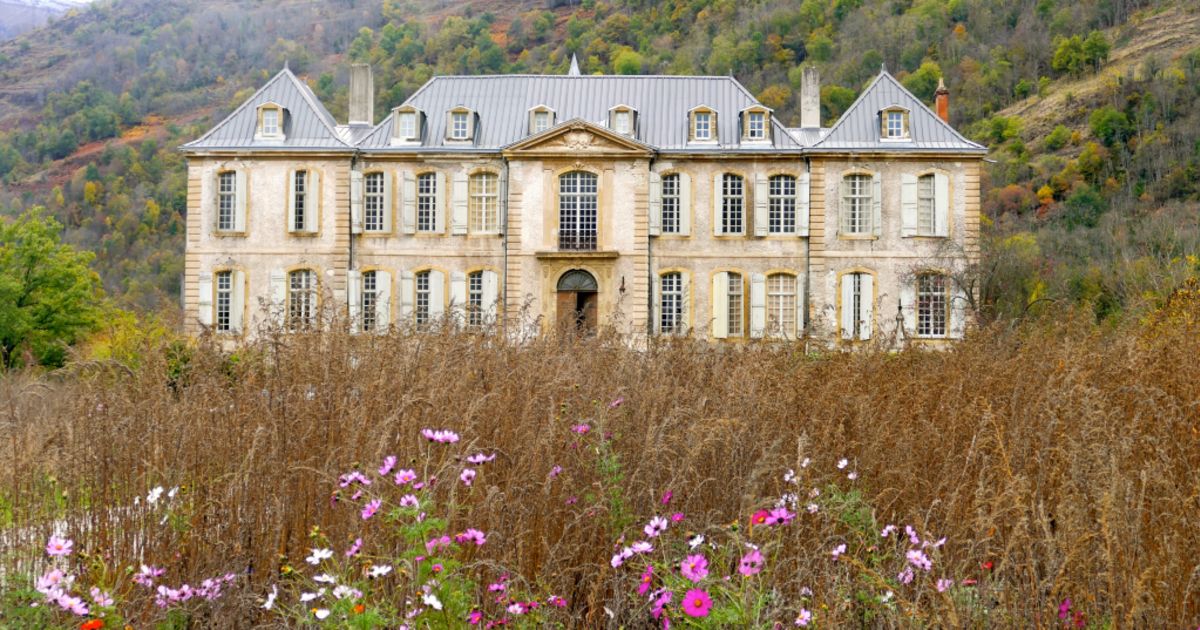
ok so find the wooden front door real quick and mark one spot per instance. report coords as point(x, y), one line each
point(577, 303)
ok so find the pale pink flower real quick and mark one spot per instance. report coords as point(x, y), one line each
point(779, 516)
point(694, 567)
point(59, 546)
point(812, 508)
point(472, 535)
point(804, 618)
point(887, 531)
point(842, 463)
point(944, 584)
point(436, 542)
point(555, 471)
point(641, 546)
point(480, 458)
point(839, 550)
point(353, 550)
point(467, 476)
point(389, 463)
point(408, 500)
point(656, 526)
point(852, 476)
point(102, 599)
point(751, 563)
point(906, 576)
point(404, 476)
point(318, 555)
point(74, 604)
point(918, 559)
point(616, 403)
point(912, 535)
point(371, 508)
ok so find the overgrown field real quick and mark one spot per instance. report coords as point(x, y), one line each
point(1057, 460)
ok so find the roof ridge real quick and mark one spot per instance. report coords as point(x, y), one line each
point(311, 98)
point(577, 77)
point(929, 111)
point(846, 114)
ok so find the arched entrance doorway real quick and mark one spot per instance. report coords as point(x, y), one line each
point(577, 300)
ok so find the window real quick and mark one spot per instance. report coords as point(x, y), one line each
point(895, 125)
point(622, 122)
point(756, 126)
point(427, 202)
point(270, 122)
point(299, 201)
point(302, 299)
point(737, 306)
point(459, 125)
point(224, 301)
point(226, 200)
point(541, 121)
point(781, 305)
point(856, 204)
point(671, 207)
point(932, 305)
point(577, 205)
point(484, 202)
point(857, 305)
point(733, 204)
point(422, 311)
point(781, 200)
point(926, 212)
point(370, 298)
point(373, 203)
point(476, 309)
point(702, 126)
point(408, 125)
point(671, 304)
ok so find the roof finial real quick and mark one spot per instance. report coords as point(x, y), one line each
point(574, 71)
point(285, 65)
point(883, 67)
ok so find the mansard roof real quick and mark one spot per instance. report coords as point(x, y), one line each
point(503, 101)
point(859, 127)
point(307, 125)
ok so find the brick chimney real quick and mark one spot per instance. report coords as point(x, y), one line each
point(362, 95)
point(942, 101)
point(810, 99)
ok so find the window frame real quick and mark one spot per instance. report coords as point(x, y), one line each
point(457, 115)
point(677, 294)
point(300, 199)
point(379, 196)
point(847, 206)
point(427, 203)
point(262, 132)
point(756, 131)
point(902, 118)
point(786, 307)
point(421, 315)
point(726, 204)
point(483, 205)
point(476, 313)
point(309, 305)
point(223, 296)
point(708, 125)
point(577, 234)
point(368, 300)
point(927, 204)
point(226, 195)
point(781, 204)
point(740, 309)
point(927, 308)
point(671, 204)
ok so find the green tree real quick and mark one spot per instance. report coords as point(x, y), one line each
point(49, 298)
point(627, 62)
point(1058, 138)
point(1096, 49)
point(924, 81)
point(1110, 125)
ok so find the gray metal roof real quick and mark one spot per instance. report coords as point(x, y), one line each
point(307, 124)
point(858, 128)
point(502, 103)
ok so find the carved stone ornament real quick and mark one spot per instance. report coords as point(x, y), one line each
point(578, 140)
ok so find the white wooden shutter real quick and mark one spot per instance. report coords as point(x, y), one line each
point(279, 297)
point(762, 219)
point(383, 300)
point(685, 205)
point(801, 306)
point(491, 295)
point(241, 183)
point(848, 314)
point(409, 198)
point(941, 204)
point(458, 220)
point(843, 222)
point(877, 203)
point(204, 305)
point(356, 202)
point(408, 288)
point(867, 314)
point(958, 311)
point(716, 205)
point(289, 197)
point(655, 204)
point(312, 201)
point(439, 206)
point(656, 304)
point(685, 303)
point(458, 292)
point(720, 305)
point(354, 298)
point(388, 202)
point(758, 305)
point(803, 201)
point(437, 294)
point(908, 306)
point(908, 204)
point(237, 301)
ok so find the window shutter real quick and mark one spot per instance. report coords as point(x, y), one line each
point(848, 314)
point(204, 305)
point(237, 301)
point(801, 306)
point(289, 202)
point(458, 292)
point(458, 222)
point(720, 305)
point(877, 203)
point(908, 306)
point(685, 299)
point(354, 298)
point(758, 305)
point(383, 301)
point(803, 195)
point(312, 201)
point(409, 199)
point(278, 296)
point(437, 294)
point(408, 287)
point(388, 202)
point(867, 315)
point(655, 204)
point(491, 295)
point(656, 310)
point(843, 206)
point(958, 311)
point(762, 220)
point(941, 204)
point(908, 204)
point(439, 203)
point(685, 205)
point(356, 202)
point(716, 204)
point(239, 201)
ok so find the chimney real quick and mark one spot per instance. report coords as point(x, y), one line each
point(362, 95)
point(810, 99)
point(942, 101)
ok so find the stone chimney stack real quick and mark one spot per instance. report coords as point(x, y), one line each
point(942, 101)
point(810, 99)
point(362, 95)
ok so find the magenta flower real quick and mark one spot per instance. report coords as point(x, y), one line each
point(751, 563)
point(436, 542)
point(697, 603)
point(371, 508)
point(475, 618)
point(556, 471)
point(58, 546)
point(1064, 609)
point(467, 476)
point(694, 567)
point(660, 603)
point(581, 429)
point(647, 579)
point(677, 517)
point(779, 516)
point(354, 548)
point(389, 463)
point(666, 497)
point(656, 526)
point(472, 535)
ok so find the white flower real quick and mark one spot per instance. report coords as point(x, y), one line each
point(697, 541)
point(379, 570)
point(812, 508)
point(852, 476)
point(887, 597)
point(154, 495)
point(321, 613)
point(842, 463)
point(318, 555)
point(270, 603)
point(343, 591)
point(805, 463)
point(325, 578)
point(432, 601)
point(172, 492)
point(308, 597)
point(789, 476)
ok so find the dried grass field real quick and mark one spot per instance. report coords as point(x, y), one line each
point(1057, 460)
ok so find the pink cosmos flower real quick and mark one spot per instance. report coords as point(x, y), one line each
point(353, 477)
point(74, 604)
point(102, 599)
point(556, 601)
point(467, 476)
point(656, 526)
point(677, 517)
point(581, 429)
point(58, 546)
point(694, 567)
point(697, 603)
point(780, 516)
point(944, 584)
point(647, 579)
point(480, 458)
point(405, 476)
point(472, 535)
point(852, 476)
point(408, 500)
point(1064, 609)
point(641, 546)
point(389, 463)
point(379, 570)
point(906, 576)
point(371, 508)
point(146, 575)
point(556, 471)
point(839, 550)
point(436, 542)
point(759, 517)
point(440, 436)
point(804, 618)
point(666, 497)
point(660, 602)
point(887, 531)
point(475, 618)
point(616, 403)
point(812, 508)
point(353, 550)
point(918, 559)
point(912, 535)
point(751, 563)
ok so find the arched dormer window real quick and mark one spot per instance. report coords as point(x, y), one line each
point(541, 118)
point(893, 124)
point(271, 117)
point(756, 124)
point(460, 125)
point(408, 123)
point(702, 124)
point(623, 120)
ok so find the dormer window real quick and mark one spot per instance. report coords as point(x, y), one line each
point(541, 118)
point(621, 123)
point(702, 126)
point(894, 124)
point(623, 120)
point(755, 121)
point(407, 124)
point(270, 122)
point(459, 125)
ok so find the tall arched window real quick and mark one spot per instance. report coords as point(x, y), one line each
point(577, 214)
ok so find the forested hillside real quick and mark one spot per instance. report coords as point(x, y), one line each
point(1088, 107)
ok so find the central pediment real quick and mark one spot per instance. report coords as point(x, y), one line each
point(578, 137)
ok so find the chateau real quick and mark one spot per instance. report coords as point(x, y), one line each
point(654, 205)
